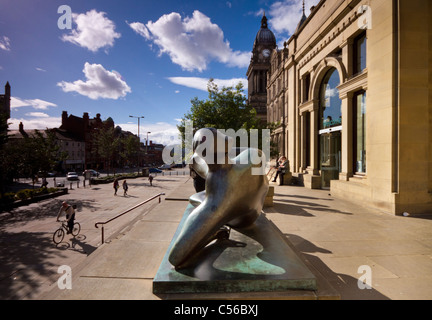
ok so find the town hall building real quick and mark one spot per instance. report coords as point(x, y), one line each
point(351, 92)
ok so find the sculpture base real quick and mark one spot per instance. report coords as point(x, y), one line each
point(253, 259)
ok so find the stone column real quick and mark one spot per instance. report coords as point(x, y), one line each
point(347, 137)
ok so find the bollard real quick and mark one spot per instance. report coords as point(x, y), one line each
point(78, 184)
point(71, 185)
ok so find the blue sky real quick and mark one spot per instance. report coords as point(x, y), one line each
point(130, 57)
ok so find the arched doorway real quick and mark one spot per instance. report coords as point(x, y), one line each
point(330, 127)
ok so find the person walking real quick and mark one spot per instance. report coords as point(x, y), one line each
point(125, 188)
point(115, 186)
point(151, 179)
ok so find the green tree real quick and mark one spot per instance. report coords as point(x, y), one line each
point(130, 148)
point(106, 143)
point(225, 108)
point(27, 156)
point(3, 152)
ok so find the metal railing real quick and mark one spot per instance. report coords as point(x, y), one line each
point(123, 213)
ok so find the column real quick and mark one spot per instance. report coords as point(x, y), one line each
point(314, 152)
point(302, 142)
point(347, 137)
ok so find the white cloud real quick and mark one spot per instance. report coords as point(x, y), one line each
point(100, 83)
point(191, 42)
point(201, 83)
point(40, 69)
point(93, 31)
point(37, 114)
point(284, 16)
point(40, 123)
point(140, 28)
point(5, 43)
point(35, 103)
point(161, 132)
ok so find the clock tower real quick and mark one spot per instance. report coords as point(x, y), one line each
point(265, 43)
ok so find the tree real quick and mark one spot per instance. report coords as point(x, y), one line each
point(131, 147)
point(105, 145)
point(3, 154)
point(225, 108)
point(27, 156)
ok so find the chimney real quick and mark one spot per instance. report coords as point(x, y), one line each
point(86, 119)
point(64, 117)
point(7, 97)
point(7, 89)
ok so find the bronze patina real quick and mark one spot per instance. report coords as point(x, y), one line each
point(233, 195)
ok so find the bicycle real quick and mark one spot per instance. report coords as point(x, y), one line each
point(59, 234)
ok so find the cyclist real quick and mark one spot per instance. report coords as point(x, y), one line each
point(70, 215)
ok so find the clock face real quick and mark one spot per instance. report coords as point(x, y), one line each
point(266, 53)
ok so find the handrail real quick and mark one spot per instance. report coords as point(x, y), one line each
point(128, 210)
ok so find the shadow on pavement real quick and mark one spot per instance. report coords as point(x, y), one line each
point(346, 285)
point(302, 208)
point(25, 260)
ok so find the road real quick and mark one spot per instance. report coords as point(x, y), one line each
point(29, 258)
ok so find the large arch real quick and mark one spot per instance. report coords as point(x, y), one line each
point(318, 77)
point(321, 70)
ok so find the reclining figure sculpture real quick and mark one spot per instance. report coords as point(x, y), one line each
point(233, 196)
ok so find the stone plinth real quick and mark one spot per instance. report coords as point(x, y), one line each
point(254, 259)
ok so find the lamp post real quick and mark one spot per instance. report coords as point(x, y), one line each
point(147, 140)
point(139, 139)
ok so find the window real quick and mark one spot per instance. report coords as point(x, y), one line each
point(360, 53)
point(330, 103)
point(360, 132)
point(306, 86)
point(308, 139)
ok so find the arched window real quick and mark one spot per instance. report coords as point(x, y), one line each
point(330, 103)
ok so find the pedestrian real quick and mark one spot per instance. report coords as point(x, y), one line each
point(70, 215)
point(125, 188)
point(115, 186)
point(151, 179)
point(282, 166)
point(44, 182)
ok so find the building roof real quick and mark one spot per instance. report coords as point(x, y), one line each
point(265, 36)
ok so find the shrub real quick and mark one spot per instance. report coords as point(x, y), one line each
point(23, 194)
point(8, 197)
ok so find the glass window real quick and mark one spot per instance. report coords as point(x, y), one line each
point(360, 132)
point(306, 86)
point(330, 103)
point(360, 53)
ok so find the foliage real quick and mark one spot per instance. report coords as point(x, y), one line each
point(106, 143)
point(25, 194)
point(130, 147)
point(225, 108)
point(35, 153)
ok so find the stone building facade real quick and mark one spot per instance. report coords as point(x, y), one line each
point(352, 91)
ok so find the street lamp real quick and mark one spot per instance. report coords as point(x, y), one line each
point(139, 139)
point(147, 140)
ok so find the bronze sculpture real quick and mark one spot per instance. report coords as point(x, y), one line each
point(233, 197)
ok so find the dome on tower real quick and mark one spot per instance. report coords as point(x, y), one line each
point(265, 36)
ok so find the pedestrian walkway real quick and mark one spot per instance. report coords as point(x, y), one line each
point(344, 242)
point(29, 258)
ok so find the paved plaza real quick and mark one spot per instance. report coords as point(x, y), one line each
point(341, 241)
